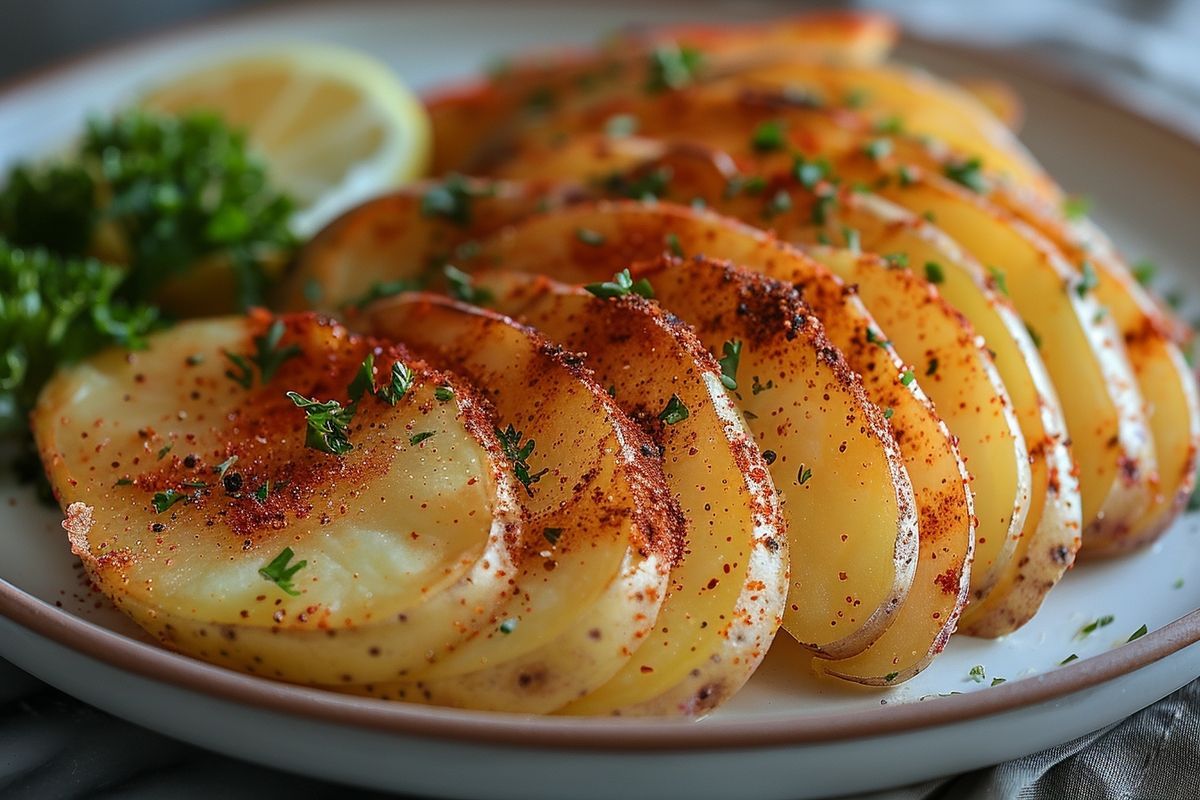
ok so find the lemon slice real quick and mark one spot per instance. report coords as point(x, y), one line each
point(334, 125)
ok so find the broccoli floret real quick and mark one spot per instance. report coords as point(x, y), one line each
point(158, 195)
point(56, 310)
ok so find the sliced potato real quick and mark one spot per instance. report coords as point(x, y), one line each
point(403, 240)
point(806, 411)
point(469, 119)
point(196, 506)
point(606, 531)
point(727, 594)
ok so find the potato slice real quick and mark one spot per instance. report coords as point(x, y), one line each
point(403, 240)
point(606, 530)
point(727, 594)
point(196, 506)
point(806, 411)
point(620, 233)
point(469, 117)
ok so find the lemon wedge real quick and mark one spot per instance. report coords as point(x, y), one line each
point(334, 125)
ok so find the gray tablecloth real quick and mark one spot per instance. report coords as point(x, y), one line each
point(52, 746)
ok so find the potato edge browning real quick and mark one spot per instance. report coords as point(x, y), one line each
point(333, 651)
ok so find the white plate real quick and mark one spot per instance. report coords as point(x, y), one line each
point(785, 735)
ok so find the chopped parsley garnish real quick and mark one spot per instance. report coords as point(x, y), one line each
point(896, 260)
point(124, 482)
point(967, 173)
point(383, 289)
point(622, 284)
point(977, 674)
point(998, 681)
point(1139, 633)
point(1094, 626)
point(1178, 584)
point(589, 237)
point(810, 173)
point(780, 203)
point(769, 137)
point(756, 387)
point(637, 185)
point(905, 176)
point(673, 245)
point(443, 394)
point(279, 573)
point(452, 199)
point(164, 450)
point(1144, 271)
point(888, 412)
point(268, 357)
point(891, 125)
point(803, 475)
point(878, 149)
point(620, 125)
point(1068, 660)
point(552, 535)
point(932, 368)
point(364, 383)
point(364, 379)
point(159, 193)
point(674, 412)
point(401, 381)
point(462, 287)
point(1076, 207)
point(999, 280)
point(328, 424)
point(1088, 280)
point(891, 676)
point(673, 67)
point(907, 377)
point(508, 626)
point(934, 272)
point(417, 438)
point(164, 500)
point(732, 350)
point(518, 454)
point(876, 339)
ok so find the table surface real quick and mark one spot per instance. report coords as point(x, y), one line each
point(54, 746)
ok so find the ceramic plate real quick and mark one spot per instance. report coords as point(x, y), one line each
point(785, 735)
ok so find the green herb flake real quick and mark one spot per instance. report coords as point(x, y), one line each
point(622, 284)
point(810, 173)
point(856, 98)
point(907, 377)
point(890, 125)
point(967, 173)
point(452, 199)
point(674, 412)
point(1088, 280)
point(268, 357)
point(279, 573)
point(934, 273)
point(1094, 626)
point(462, 287)
point(769, 137)
point(1034, 335)
point(619, 126)
point(878, 149)
point(998, 681)
point(891, 676)
point(803, 475)
point(124, 482)
point(977, 673)
point(896, 260)
point(673, 244)
point(327, 424)
point(518, 453)
point(401, 381)
point(164, 500)
point(380, 290)
point(1076, 207)
point(888, 413)
point(552, 535)
point(877, 340)
point(999, 280)
point(1144, 271)
point(932, 368)
point(1178, 584)
point(780, 203)
point(164, 450)
point(732, 350)
point(757, 387)
point(443, 394)
point(417, 438)
point(508, 626)
point(673, 67)
point(1068, 660)
point(1139, 633)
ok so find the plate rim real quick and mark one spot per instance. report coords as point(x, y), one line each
point(154, 663)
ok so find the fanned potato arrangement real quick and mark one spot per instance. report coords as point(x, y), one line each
point(708, 332)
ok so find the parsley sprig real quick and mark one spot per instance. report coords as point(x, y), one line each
point(328, 424)
point(518, 453)
point(279, 573)
point(622, 284)
point(268, 357)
